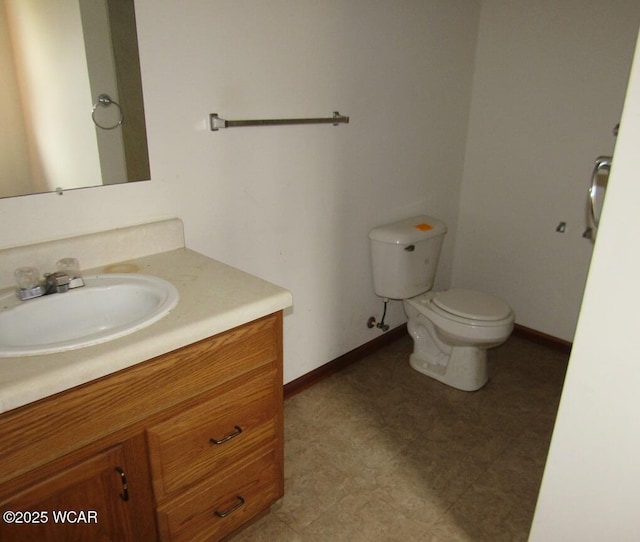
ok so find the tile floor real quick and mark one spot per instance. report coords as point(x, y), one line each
point(379, 452)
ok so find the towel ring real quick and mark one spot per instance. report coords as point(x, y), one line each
point(104, 100)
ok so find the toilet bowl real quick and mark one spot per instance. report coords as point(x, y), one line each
point(452, 331)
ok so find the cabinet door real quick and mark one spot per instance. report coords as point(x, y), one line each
point(89, 501)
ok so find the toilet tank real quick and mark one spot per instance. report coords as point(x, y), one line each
point(405, 255)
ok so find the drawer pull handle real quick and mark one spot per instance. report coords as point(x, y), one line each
point(231, 435)
point(230, 510)
point(125, 487)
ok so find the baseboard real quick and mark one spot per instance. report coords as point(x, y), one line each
point(332, 367)
point(542, 338)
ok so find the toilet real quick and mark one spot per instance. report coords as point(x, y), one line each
point(451, 330)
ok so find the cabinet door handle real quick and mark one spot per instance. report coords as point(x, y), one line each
point(228, 437)
point(225, 513)
point(125, 487)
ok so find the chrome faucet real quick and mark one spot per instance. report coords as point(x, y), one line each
point(58, 282)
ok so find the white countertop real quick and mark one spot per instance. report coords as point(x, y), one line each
point(214, 297)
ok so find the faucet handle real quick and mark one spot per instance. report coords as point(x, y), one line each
point(27, 277)
point(70, 266)
point(28, 281)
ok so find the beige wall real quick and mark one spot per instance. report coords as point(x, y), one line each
point(14, 154)
point(54, 89)
point(549, 84)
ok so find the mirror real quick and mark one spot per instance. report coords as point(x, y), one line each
point(71, 107)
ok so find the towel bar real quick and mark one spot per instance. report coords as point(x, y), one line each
point(217, 123)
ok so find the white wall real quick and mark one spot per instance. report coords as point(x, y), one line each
point(548, 88)
point(591, 481)
point(294, 204)
point(291, 204)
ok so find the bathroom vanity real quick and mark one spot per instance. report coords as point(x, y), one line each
point(174, 432)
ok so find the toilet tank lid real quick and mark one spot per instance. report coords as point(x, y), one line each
point(409, 230)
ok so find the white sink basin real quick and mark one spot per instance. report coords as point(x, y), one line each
point(107, 307)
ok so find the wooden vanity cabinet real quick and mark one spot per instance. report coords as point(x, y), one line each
point(186, 446)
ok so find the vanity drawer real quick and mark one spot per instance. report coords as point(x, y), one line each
point(209, 437)
point(213, 510)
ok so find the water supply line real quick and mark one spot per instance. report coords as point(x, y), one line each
point(371, 322)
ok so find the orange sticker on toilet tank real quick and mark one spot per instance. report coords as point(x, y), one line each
point(423, 226)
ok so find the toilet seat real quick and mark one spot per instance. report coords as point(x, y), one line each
point(466, 307)
point(471, 304)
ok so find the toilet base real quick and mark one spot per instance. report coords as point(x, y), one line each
point(465, 368)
